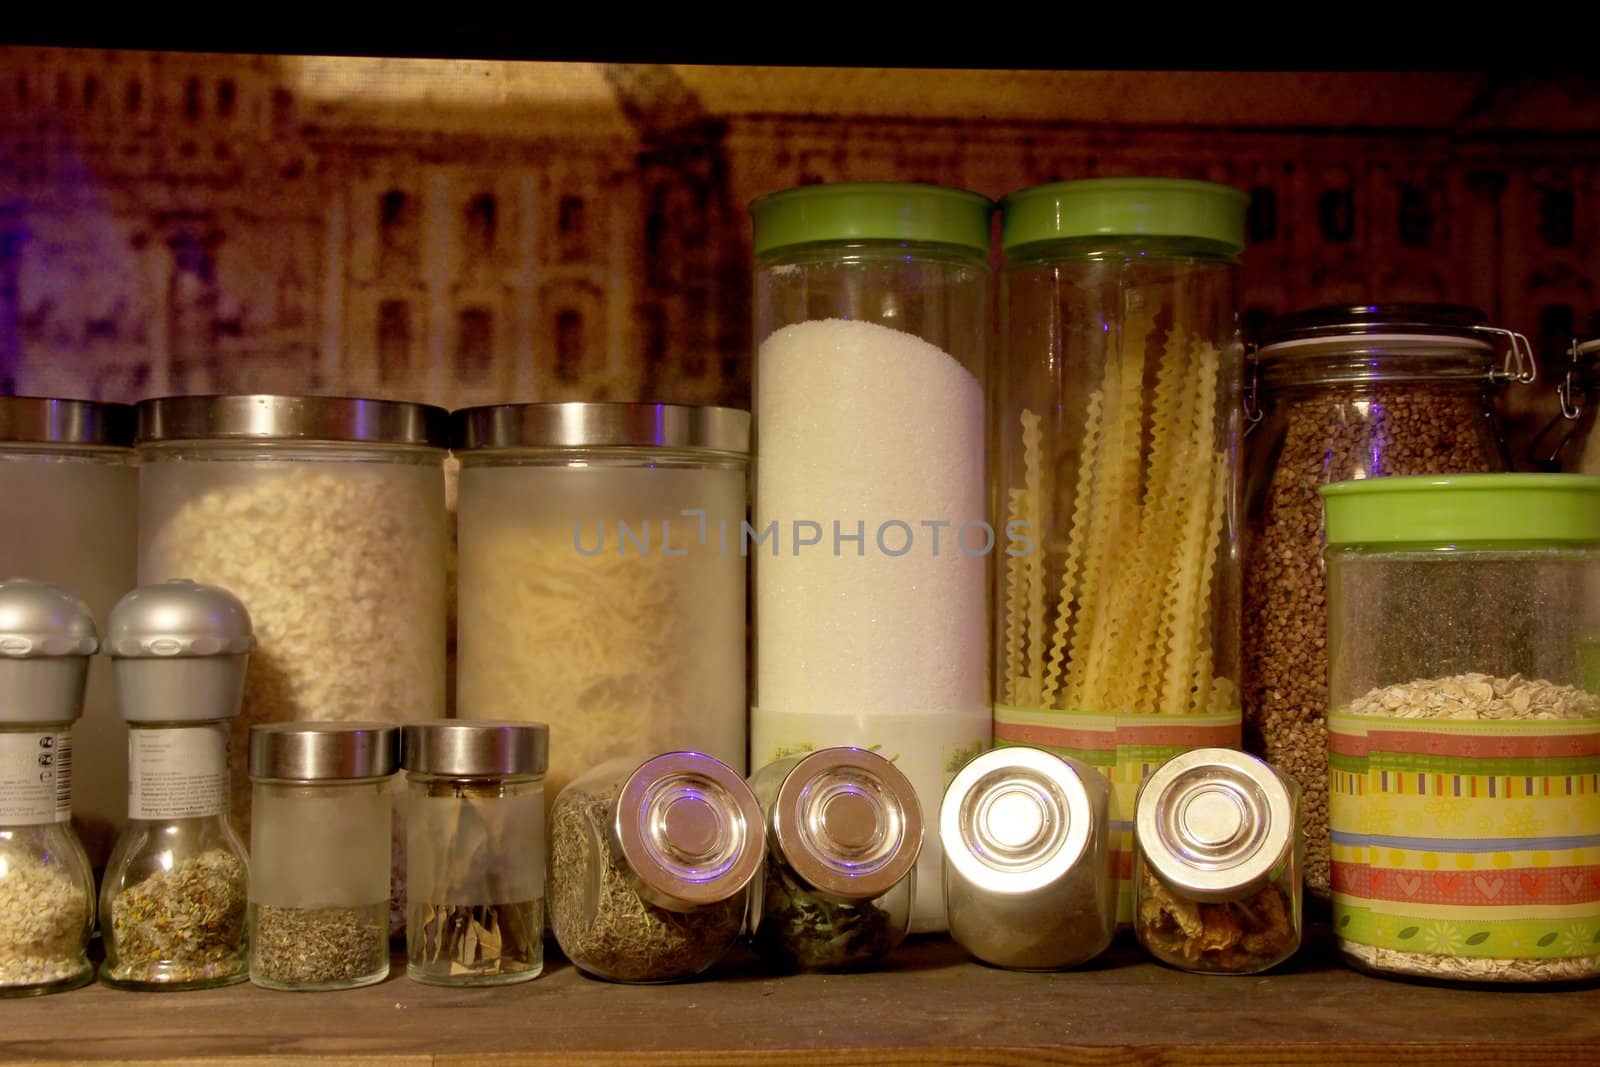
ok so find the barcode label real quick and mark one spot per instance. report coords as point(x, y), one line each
point(35, 778)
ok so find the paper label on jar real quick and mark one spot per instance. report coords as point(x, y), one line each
point(178, 772)
point(35, 778)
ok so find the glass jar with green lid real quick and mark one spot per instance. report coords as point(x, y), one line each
point(871, 534)
point(1464, 725)
point(1116, 447)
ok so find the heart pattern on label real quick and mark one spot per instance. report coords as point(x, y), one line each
point(1489, 887)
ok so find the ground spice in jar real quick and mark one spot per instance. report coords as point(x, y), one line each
point(183, 924)
point(303, 946)
point(43, 912)
point(602, 920)
point(1329, 434)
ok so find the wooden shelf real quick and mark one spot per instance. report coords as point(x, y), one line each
point(932, 1007)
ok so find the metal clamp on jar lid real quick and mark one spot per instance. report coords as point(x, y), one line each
point(479, 749)
point(46, 638)
point(1214, 824)
point(323, 751)
point(847, 822)
point(180, 650)
point(41, 420)
point(689, 829)
point(601, 425)
point(1015, 821)
point(1443, 331)
point(262, 417)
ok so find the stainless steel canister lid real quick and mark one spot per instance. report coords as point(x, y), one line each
point(1214, 823)
point(847, 822)
point(1015, 820)
point(601, 425)
point(180, 650)
point(477, 749)
point(264, 417)
point(46, 638)
point(323, 751)
point(689, 828)
point(43, 420)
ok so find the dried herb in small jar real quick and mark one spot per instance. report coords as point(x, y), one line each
point(650, 865)
point(319, 946)
point(182, 925)
point(478, 940)
point(805, 930)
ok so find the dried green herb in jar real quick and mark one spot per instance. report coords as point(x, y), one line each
point(308, 946)
point(601, 920)
point(806, 930)
point(182, 925)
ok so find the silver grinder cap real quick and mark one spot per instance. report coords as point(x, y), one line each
point(847, 822)
point(689, 829)
point(1016, 821)
point(180, 650)
point(46, 638)
point(1214, 823)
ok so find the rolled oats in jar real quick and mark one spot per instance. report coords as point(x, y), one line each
point(1346, 392)
point(326, 516)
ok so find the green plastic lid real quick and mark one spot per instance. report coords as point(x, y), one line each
point(1430, 509)
point(1124, 207)
point(867, 211)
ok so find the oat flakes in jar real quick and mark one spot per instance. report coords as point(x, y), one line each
point(1368, 391)
point(1464, 725)
point(325, 515)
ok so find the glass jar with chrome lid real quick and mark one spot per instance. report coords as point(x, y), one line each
point(1028, 875)
point(1364, 391)
point(651, 864)
point(319, 854)
point(71, 493)
point(475, 851)
point(843, 832)
point(1217, 876)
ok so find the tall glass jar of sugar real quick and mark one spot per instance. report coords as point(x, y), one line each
point(325, 515)
point(1117, 449)
point(71, 495)
point(601, 586)
point(870, 535)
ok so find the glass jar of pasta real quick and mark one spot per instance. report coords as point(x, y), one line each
point(1115, 472)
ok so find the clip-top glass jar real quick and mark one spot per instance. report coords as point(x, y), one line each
point(602, 586)
point(71, 493)
point(650, 866)
point(1027, 860)
point(1568, 441)
point(475, 851)
point(1367, 391)
point(319, 854)
point(872, 327)
point(173, 899)
point(843, 831)
point(325, 515)
point(1117, 436)
point(1464, 725)
point(1217, 863)
point(47, 637)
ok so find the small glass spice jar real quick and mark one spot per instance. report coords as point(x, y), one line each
point(650, 866)
point(1217, 863)
point(843, 830)
point(475, 848)
point(173, 899)
point(47, 637)
point(1028, 878)
point(319, 854)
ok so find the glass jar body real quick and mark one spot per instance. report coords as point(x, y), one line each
point(1115, 477)
point(1462, 682)
point(46, 909)
point(870, 413)
point(602, 592)
point(76, 524)
point(602, 922)
point(1244, 934)
point(319, 883)
point(475, 879)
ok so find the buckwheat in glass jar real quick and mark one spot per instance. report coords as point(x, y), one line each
point(1344, 393)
